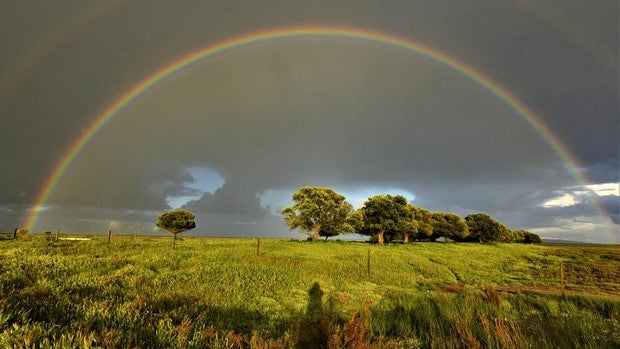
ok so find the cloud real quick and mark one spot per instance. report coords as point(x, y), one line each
point(561, 201)
point(611, 205)
point(604, 195)
point(227, 200)
point(604, 189)
point(344, 113)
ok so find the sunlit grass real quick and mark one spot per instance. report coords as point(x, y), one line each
point(137, 292)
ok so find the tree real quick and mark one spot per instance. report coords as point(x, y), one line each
point(423, 219)
point(387, 216)
point(449, 225)
point(531, 238)
point(459, 231)
point(518, 236)
point(176, 222)
point(352, 224)
point(507, 235)
point(408, 225)
point(320, 211)
point(483, 228)
point(20, 233)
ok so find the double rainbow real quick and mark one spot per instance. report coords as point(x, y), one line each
point(282, 34)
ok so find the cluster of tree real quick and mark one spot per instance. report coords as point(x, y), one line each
point(322, 212)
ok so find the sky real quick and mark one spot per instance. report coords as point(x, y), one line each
point(233, 135)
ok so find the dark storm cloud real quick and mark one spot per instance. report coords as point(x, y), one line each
point(605, 171)
point(227, 201)
point(333, 112)
point(261, 128)
point(611, 205)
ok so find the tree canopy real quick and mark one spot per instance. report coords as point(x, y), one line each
point(449, 225)
point(387, 216)
point(423, 219)
point(483, 228)
point(320, 211)
point(176, 222)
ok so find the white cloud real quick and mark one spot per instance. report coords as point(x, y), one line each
point(561, 201)
point(605, 189)
point(205, 180)
point(578, 228)
point(572, 196)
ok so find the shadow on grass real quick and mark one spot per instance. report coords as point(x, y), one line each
point(313, 331)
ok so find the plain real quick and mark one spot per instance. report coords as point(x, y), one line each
point(228, 293)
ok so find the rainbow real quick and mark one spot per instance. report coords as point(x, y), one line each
point(87, 15)
point(158, 76)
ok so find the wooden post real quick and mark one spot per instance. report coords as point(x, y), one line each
point(258, 247)
point(15, 234)
point(562, 281)
point(57, 233)
point(368, 261)
point(109, 236)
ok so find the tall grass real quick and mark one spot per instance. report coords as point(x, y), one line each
point(217, 293)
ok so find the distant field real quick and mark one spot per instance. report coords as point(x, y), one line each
point(218, 293)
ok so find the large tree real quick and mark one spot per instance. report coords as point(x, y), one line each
point(176, 222)
point(387, 216)
point(320, 211)
point(483, 228)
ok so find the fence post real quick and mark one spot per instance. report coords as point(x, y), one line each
point(109, 236)
point(57, 233)
point(258, 247)
point(562, 281)
point(15, 234)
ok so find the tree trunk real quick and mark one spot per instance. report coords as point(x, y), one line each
point(406, 239)
point(315, 235)
point(380, 237)
point(174, 241)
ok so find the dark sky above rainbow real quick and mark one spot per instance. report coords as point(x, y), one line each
point(114, 111)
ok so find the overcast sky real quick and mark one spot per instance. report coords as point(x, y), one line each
point(231, 137)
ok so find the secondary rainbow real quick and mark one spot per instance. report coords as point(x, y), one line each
point(282, 34)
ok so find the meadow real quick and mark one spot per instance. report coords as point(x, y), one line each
point(137, 292)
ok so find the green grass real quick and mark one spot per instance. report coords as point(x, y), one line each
point(217, 293)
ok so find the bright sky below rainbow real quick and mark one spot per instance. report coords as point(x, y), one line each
point(125, 119)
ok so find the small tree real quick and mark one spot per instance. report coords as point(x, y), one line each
point(320, 211)
point(176, 222)
point(22, 232)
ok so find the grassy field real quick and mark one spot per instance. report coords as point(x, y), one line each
point(218, 293)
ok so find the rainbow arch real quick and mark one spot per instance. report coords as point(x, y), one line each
point(210, 50)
